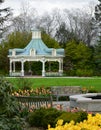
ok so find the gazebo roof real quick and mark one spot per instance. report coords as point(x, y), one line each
point(36, 45)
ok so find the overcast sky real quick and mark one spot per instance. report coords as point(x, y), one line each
point(46, 5)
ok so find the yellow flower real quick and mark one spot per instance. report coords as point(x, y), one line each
point(92, 123)
point(49, 126)
point(60, 122)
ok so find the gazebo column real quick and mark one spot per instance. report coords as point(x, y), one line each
point(10, 71)
point(61, 67)
point(43, 67)
point(14, 66)
point(22, 68)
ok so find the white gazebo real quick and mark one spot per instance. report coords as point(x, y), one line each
point(36, 50)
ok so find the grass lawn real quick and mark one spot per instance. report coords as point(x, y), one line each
point(58, 81)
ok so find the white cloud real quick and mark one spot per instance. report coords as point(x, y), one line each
point(46, 5)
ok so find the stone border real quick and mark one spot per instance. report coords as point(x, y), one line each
point(83, 102)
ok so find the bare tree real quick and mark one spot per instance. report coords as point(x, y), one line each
point(50, 21)
point(26, 20)
point(80, 22)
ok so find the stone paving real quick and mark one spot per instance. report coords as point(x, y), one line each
point(61, 105)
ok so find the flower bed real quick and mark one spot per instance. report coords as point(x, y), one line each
point(32, 92)
point(92, 123)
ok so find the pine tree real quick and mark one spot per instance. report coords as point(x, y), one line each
point(5, 14)
point(98, 12)
point(97, 53)
point(98, 17)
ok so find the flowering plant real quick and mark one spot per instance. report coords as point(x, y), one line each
point(32, 92)
point(92, 123)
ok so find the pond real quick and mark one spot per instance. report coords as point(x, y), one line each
point(95, 97)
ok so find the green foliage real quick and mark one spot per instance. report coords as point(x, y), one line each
point(50, 116)
point(97, 58)
point(36, 68)
point(35, 118)
point(83, 53)
point(3, 59)
point(50, 42)
point(24, 84)
point(70, 50)
point(18, 39)
point(91, 90)
point(52, 66)
point(9, 109)
point(63, 34)
point(14, 123)
point(13, 40)
point(42, 117)
point(76, 116)
point(97, 52)
point(78, 59)
point(84, 72)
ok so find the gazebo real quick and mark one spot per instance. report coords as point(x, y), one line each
point(36, 50)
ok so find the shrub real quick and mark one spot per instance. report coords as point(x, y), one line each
point(84, 72)
point(92, 89)
point(50, 117)
point(35, 118)
point(24, 84)
point(42, 117)
point(9, 109)
point(75, 116)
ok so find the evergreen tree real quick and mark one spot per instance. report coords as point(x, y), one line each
point(64, 35)
point(97, 52)
point(5, 14)
point(78, 59)
point(97, 58)
point(98, 18)
point(49, 41)
point(98, 12)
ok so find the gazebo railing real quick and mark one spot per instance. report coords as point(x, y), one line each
point(52, 74)
point(15, 74)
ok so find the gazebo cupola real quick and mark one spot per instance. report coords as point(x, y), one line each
point(36, 50)
point(36, 34)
